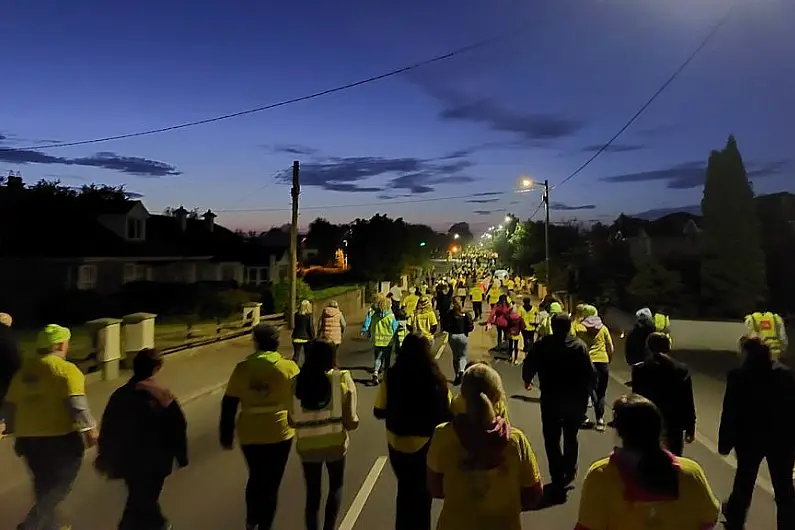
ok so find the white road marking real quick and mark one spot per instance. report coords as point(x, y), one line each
point(349, 521)
point(440, 351)
point(712, 447)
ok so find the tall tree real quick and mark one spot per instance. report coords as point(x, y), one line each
point(464, 233)
point(326, 238)
point(733, 263)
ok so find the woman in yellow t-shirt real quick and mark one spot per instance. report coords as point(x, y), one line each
point(597, 337)
point(641, 485)
point(480, 466)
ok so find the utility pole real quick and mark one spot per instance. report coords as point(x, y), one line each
point(546, 230)
point(295, 191)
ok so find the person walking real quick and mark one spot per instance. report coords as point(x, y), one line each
point(424, 321)
point(641, 485)
point(323, 411)
point(47, 411)
point(514, 332)
point(303, 330)
point(635, 347)
point(458, 324)
point(331, 327)
point(666, 382)
point(529, 316)
point(261, 387)
point(476, 296)
point(482, 468)
point(143, 434)
point(756, 423)
point(413, 401)
point(499, 319)
point(444, 298)
point(592, 331)
point(566, 379)
point(10, 356)
point(382, 330)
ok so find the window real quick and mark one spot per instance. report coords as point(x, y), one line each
point(87, 277)
point(135, 273)
point(135, 228)
point(256, 275)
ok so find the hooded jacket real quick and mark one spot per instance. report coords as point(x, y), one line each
point(597, 338)
point(332, 325)
point(635, 350)
point(515, 323)
point(499, 315)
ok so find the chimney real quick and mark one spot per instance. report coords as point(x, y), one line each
point(181, 215)
point(209, 220)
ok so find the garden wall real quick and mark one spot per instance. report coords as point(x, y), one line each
point(351, 304)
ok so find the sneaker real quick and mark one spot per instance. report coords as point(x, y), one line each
point(600, 425)
point(586, 424)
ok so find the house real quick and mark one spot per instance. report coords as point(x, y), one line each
point(675, 235)
point(122, 242)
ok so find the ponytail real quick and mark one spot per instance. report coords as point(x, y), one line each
point(312, 385)
point(480, 410)
point(658, 474)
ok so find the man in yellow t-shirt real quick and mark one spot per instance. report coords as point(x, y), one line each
point(262, 387)
point(47, 411)
point(476, 294)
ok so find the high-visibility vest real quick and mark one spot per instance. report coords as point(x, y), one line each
point(661, 322)
point(402, 332)
point(318, 429)
point(766, 327)
point(382, 329)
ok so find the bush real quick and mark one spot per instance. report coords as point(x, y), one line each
point(281, 294)
point(657, 287)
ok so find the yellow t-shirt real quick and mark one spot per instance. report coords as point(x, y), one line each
point(529, 317)
point(404, 444)
point(482, 498)
point(459, 406)
point(597, 343)
point(40, 391)
point(603, 505)
point(423, 322)
point(494, 295)
point(410, 303)
point(476, 293)
point(263, 382)
point(510, 284)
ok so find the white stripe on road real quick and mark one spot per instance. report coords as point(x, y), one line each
point(349, 521)
point(713, 448)
point(440, 351)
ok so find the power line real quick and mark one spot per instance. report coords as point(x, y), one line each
point(340, 88)
point(386, 203)
point(535, 212)
point(671, 78)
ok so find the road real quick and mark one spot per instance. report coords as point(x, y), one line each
point(208, 495)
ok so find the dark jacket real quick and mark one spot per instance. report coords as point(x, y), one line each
point(564, 368)
point(635, 347)
point(758, 408)
point(143, 432)
point(10, 358)
point(304, 329)
point(457, 324)
point(444, 300)
point(666, 382)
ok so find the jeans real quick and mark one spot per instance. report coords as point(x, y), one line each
point(266, 464)
point(142, 510)
point(54, 462)
point(600, 390)
point(298, 348)
point(561, 419)
point(459, 344)
point(313, 477)
point(780, 463)
point(382, 356)
point(413, 503)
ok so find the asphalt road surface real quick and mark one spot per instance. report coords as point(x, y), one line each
point(208, 495)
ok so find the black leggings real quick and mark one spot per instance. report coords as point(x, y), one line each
point(313, 476)
point(266, 464)
point(413, 502)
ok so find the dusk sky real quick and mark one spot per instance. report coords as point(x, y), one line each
point(536, 104)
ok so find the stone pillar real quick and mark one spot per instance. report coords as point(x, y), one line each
point(139, 333)
point(106, 343)
point(252, 313)
point(383, 287)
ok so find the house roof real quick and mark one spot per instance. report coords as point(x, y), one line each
point(670, 225)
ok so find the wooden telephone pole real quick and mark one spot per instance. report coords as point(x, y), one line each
point(296, 190)
point(546, 231)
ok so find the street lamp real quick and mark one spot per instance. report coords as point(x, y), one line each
point(526, 183)
point(508, 219)
point(499, 227)
point(456, 236)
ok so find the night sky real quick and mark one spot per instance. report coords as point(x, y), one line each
point(536, 103)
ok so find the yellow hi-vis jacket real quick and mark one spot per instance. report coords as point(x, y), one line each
point(320, 429)
point(662, 323)
point(769, 327)
point(383, 328)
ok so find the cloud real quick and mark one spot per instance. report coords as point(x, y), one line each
point(487, 194)
point(414, 175)
point(484, 212)
point(614, 148)
point(483, 201)
point(133, 195)
point(131, 165)
point(566, 207)
point(292, 149)
point(3, 137)
point(691, 175)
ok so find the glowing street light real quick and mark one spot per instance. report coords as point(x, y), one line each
point(499, 227)
point(526, 183)
point(508, 219)
point(456, 236)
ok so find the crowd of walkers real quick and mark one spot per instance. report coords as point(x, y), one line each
point(461, 449)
